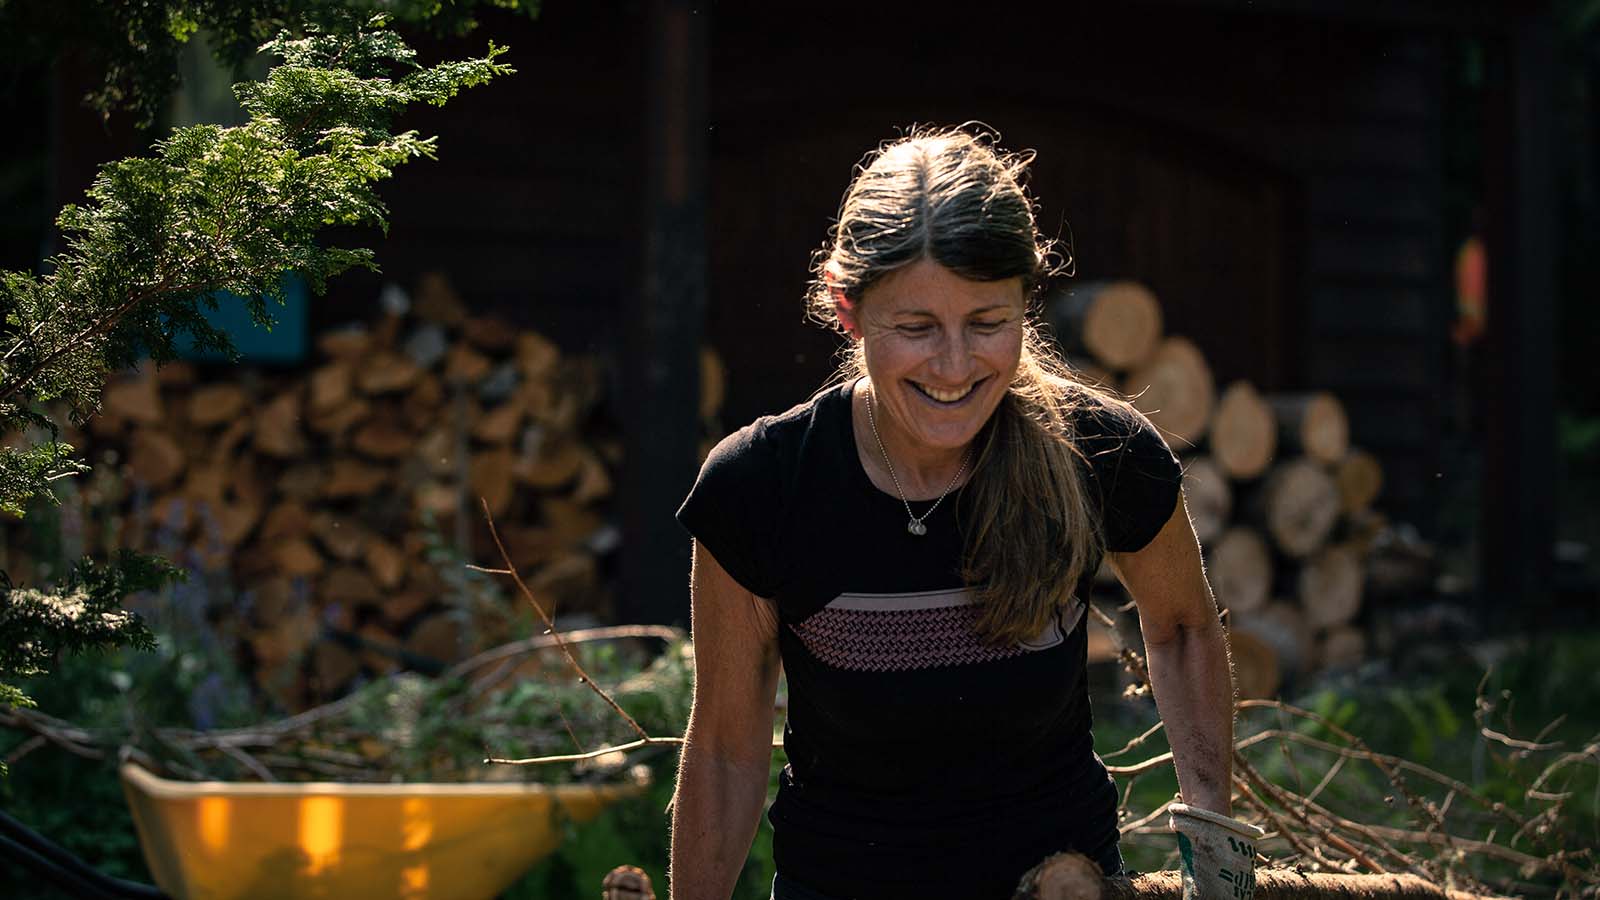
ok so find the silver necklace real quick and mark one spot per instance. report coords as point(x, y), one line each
point(915, 526)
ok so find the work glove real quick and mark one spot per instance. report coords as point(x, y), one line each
point(1218, 853)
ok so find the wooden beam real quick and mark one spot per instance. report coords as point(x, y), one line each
point(661, 380)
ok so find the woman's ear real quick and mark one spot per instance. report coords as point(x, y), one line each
point(842, 305)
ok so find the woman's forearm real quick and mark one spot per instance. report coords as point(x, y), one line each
point(715, 812)
point(1194, 692)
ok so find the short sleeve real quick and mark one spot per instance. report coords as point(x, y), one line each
point(733, 509)
point(1136, 472)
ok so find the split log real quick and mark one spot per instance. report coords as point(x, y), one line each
point(437, 301)
point(490, 478)
point(1240, 566)
point(331, 386)
point(553, 463)
point(137, 399)
point(1314, 424)
point(154, 458)
point(490, 333)
point(1071, 876)
point(464, 365)
point(594, 480)
point(1244, 434)
point(380, 650)
point(1329, 586)
point(499, 425)
point(349, 478)
point(1117, 322)
point(1174, 388)
point(1300, 504)
point(289, 519)
point(277, 429)
point(1359, 476)
point(215, 404)
point(381, 439)
point(296, 557)
point(348, 587)
point(385, 373)
point(332, 666)
point(343, 537)
point(386, 563)
point(437, 498)
point(333, 423)
point(537, 355)
point(344, 343)
point(437, 451)
point(421, 406)
point(439, 637)
point(1208, 496)
point(400, 608)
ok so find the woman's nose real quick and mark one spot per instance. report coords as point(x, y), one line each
point(955, 353)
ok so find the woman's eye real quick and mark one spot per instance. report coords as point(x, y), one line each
point(914, 330)
point(987, 327)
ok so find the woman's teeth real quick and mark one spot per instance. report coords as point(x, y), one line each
point(945, 396)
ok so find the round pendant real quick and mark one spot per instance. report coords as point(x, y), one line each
point(916, 527)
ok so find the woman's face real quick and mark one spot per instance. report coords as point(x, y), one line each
point(941, 351)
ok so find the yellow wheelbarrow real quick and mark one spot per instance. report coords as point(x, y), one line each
point(238, 841)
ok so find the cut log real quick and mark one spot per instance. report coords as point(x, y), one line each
point(334, 422)
point(136, 399)
point(331, 386)
point(570, 523)
point(594, 480)
point(1174, 388)
point(342, 537)
point(499, 425)
point(627, 883)
point(176, 373)
point(1313, 423)
point(1360, 479)
point(437, 450)
point(437, 498)
point(277, 429)
point(350, 478)
point(383, 439)
point(385, 373)
point(537, 355)
point(232, 437)
point(1244, 434)
point(436, 300)
point(288, 519)
point(1071, 876)
point(376, 640)
point(348, 587)
point(490, 478)
point(1117, 322)
point(1208, 496)
point(332, 666)
point(344, 343)
point(297, 558)
point(1091, 373)
point(154, 459)
point(529, 546)
point(1341, 646)
point(553, 463)
point(421, 407)
point(1300, 504)
point(215, 404)
point(490, 333)
point(400, 608)
point(439, 637)
point(1240, 566)
point(1329, 586)
point(1282, 626)
point(386, 563)
point(566, 584)
point(464, 365)
point(1256, 671)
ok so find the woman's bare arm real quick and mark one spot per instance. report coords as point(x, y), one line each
point(727, 750)
point(1187, 654)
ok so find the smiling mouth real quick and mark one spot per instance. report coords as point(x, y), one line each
point(939, 395)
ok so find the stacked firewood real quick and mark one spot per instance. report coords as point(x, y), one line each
point(1280, 500)
point(339, 502)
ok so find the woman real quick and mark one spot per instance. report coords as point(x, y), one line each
point(911, 546)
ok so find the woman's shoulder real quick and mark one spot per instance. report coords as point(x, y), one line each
point(772, 443)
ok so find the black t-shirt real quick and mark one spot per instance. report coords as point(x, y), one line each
point(922, 761)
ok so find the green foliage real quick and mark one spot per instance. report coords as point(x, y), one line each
point(213, 210)
point(137, 44)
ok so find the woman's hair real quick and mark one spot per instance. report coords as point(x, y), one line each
point(952, 197)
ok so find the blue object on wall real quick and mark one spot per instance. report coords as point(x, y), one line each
point(285, 343)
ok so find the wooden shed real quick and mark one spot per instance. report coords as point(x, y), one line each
point(1276, 171)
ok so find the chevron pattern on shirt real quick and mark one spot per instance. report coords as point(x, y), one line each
point(901, 632)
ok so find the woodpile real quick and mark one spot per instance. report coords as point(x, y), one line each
point(339, 502)
point(1281, 502)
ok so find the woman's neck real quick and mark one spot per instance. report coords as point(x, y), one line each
point(923, 472)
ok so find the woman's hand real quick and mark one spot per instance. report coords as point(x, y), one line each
point(1218, 854)
point(727, 749)
point(1187, 656)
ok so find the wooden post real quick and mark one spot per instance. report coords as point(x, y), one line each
point(1518, 428)
point(661, 362)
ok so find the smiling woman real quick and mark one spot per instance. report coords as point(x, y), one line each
point(913, 545)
